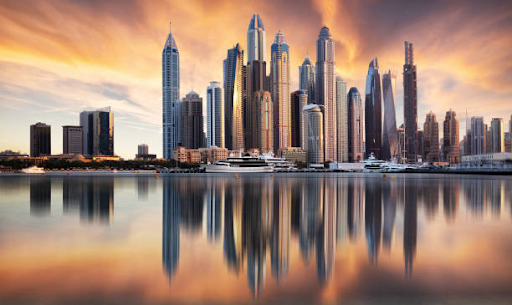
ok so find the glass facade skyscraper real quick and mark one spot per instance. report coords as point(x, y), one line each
point(233, 98)
point(98, 128)
point(390, 145)
point(214, 115)
point(342, 119)
point(315, 133)
point(498, 135)
point(170, 96)
point(256, 47)
point(325, 91)
point(431, 139)
point(280, 84)
point(373, 111)
point(299, 99)
point(307, 79)
point(40, 140)
point(451, 150)
point(477, 135)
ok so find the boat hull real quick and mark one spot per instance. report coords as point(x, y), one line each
point(212, 168)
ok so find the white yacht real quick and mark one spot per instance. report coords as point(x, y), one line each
point(239, 165)
point(372, 165)
point(33, 170)
point(277, 163)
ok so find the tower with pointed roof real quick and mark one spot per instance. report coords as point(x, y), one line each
point(170, 96)
point(256, 40)
point(373, 111)
point(325, 90)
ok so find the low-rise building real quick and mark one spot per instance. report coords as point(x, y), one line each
point(499, 159)
point(201, 155)
point(294, 154)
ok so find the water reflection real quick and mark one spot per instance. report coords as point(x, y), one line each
point(40, 196)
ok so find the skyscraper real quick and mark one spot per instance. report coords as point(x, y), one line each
point(98, 128)
point(192, 133)
point(215, 115)
point(390, 144)
point(315, 133)
point(170, 96)
point(488, 139)
point(299, 99)
point(233, 98)
point(263, 125)
point(410, 104)
point(40, 140)
point(143, 149)
point(307, 79)
point(431, 139)
point(72, 140)
point(256, 40)
point(477, 135)
point(451, 150)
point(280, 84)
point(355, 126)
point(373, 111)
point(498, 135)
point(341, 120)
point(324, 90)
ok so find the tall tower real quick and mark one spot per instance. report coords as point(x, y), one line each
point(215, 115)
point(324, 90)
point(315, 133)
point(299, 99)
point(256, 40)
point(355, 126)
point(307, 79)
point(390, 145)
point(233, 98)
point(373, 111)
point(498, 135)
point(170, 95)
point(40, 140)
point(280, 78)
point(192, 133)
point(342, 119)
point(477, 135)
point(410, 104)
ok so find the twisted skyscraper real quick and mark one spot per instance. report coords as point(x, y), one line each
point(390, 146)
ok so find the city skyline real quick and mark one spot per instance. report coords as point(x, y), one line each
point(57, 78)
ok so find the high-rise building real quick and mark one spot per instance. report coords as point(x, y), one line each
point(263, 125)
point(431, 139)
point(488, 139)
point(170, 96)
point(419, 147)
point(355, 126)
point(40, 140)
point(508, 142)
point(307, 79)
point(98, 132)
point(215, 115)
point(299, 99)
point(233, 98)
point(390, 143)
point(410, 104)
point(325, 90)
point(341, 120)
point(315, 133)
point(280, 84)
point(373, 111)
point(498, 135)
point(72, 140)
point(143, 149)
point(192, 133)
point(451, 150)
point(478, 135)
point(256, 49)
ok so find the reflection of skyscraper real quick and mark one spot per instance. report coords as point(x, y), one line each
point(98, 200)
point(355, 207)
point(143, 187)
point(213, 200)
point(280, 230)
point(171, 226)
point(450, 199)
point(373, 219)
point(326, 236)
point(325, 91)
point(389, 205)
point(496, 194)
point(310, 216)
point(410, 225)
point(233, 226)
point(40, 196)
point(72, 194)
point(373, 111)
point(390, 147)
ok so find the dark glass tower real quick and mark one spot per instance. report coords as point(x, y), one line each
point(373, 111)
point(410, 105)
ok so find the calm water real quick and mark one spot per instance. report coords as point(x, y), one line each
point(214, 238)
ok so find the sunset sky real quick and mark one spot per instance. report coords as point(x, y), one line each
point(60, 57)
